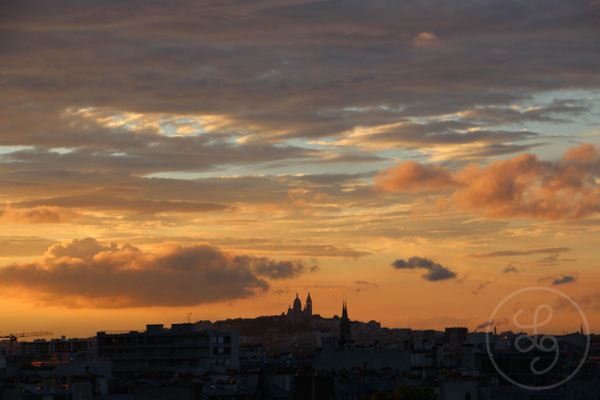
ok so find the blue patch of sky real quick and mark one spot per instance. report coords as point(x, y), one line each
point(168, 129)
point(12, 149)
point(555, 138)
point(169, 126)
point(61, 150)
point(118, 119)
point(560, 136)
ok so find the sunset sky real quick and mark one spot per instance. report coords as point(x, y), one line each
point(420, 160)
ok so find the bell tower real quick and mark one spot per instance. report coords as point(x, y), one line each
point(308, 306)
point(345, 330)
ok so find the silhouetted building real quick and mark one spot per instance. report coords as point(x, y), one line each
point(296, 314)
point(165, 351)
point(345, 329)
point(332, 356)
point(57, 348)
point(455, 337)
point(297, 305)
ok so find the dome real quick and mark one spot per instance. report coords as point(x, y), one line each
point(297, 303)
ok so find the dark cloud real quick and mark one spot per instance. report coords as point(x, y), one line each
point(300, 69)
point(280, 269)
point(481, 286)
point(37, 215)
point(150, 154)
point(587, 301)
point(559, 279)
point(106, 95)
point(504, 253)
point(86, 272)
point(366, 283)
point(363, 286)
point(545, 113)
point(509, 269)
point(132, 203)
point(485, 324)
point(564, 279)
point(435, 271)
point(98, 98)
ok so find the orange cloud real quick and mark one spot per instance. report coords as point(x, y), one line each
point(414, 177)
point(585, 153)
point(426, 40)
point(521, 186)
point(36, 215)
point(86, 272)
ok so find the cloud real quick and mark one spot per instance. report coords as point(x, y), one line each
point(521, 186)
point(295, 247)
point(564, 279)
point(552, 258)
point(587, 301)
point(167, 103)
point(426, 40)
point(553, 112)
point(37, 215)
point(85, 272)
point(280, 269)
point(583, 154)
point(213, 61)
point(509, 269)
point(104, 201)
point(560, 279)
point(363, 286)
point(234, 87)
point(435, 271)
point(414, 177)
point(464, 138)
point(481, 286)
point(485, 324)
point(504, 253)
point(84, 249)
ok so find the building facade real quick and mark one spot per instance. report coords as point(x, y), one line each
point(180, 349)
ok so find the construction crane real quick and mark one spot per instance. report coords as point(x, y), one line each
point(13, 337)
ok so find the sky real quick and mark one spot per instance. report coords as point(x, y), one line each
point(420, 160)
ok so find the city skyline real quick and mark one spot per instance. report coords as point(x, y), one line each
point(420, 161)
